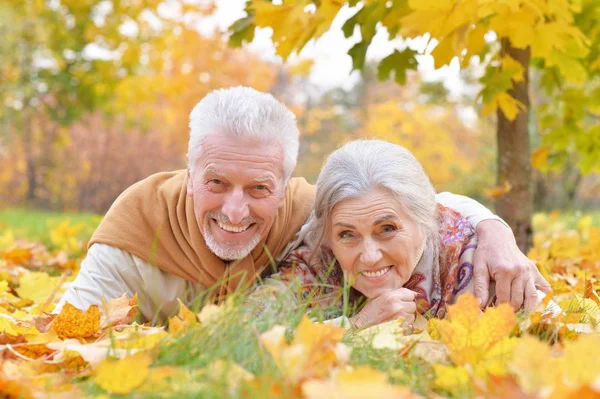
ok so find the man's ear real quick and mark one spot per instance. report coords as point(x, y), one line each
point(190, 186)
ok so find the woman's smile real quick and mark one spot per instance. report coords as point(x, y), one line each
point(376, 276)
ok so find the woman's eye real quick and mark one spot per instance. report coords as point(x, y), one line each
point(388, 229)
point(345, 235)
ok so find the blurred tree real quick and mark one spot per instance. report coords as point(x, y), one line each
point(60, 59)
point(561, 38)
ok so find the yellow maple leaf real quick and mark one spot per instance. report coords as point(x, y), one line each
point(64, 236)
point(124, 375)
point(13, 327)
point(37, 286)
point(534, 366)
point(7, 239)
point(451, 379)
point(580, 365)
point(315, 349)
point(539, 158)
point(74, 323)
point(184, 319)
point(444, 51)
point(361, 382)
point(474, 337)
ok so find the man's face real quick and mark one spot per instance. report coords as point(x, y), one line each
point(237, 187)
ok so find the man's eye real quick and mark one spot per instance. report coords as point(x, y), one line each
point(215, 181)
point(261, 187)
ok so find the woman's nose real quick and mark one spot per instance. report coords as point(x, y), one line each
point(371, 253)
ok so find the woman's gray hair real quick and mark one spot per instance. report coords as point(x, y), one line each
point(247, 114)
point(361, 166)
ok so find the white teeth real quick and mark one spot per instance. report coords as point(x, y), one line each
point(233, 229)
point(378, 273)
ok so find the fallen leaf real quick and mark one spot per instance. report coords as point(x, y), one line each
point(118, 311)
point(124, 375)
point(74, 323)
point(361, 382)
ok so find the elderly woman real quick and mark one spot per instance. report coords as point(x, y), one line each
point(376, 224)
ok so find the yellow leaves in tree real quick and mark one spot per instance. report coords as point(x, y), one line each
point(539, 158)
point(314, 351)
point(292, 26)
point(124, 375)
point(509, 105)
point(74, 323)
point(479, 340)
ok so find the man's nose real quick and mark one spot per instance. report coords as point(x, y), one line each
point(371, 253)
point(236, 206)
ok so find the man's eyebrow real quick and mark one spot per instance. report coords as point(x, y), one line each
point(215, 172)
point(263, 179)
point(384, 218)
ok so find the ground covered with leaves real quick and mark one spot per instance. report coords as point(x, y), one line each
point(225, 351)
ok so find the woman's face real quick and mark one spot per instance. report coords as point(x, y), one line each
point(375, 242)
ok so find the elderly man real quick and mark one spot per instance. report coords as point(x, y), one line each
point(218, 224)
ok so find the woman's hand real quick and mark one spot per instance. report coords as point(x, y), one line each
point(391, 305)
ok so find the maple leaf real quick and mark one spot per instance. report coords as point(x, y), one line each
point(474, 339)
point(469, 333)
point(184, 319)
point(118, 311)
point(534, 366)
point(37, 286)
point(124, 375)
point(12, 385)
point(74, 323)
point(580, 365)
point(361, 382)
point(315, 349)
point(17, 256)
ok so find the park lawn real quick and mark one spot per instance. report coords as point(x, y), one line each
point(229, 351)
point(36, 224)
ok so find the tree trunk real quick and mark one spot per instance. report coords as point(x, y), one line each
point(29, 158)
point(514, 166)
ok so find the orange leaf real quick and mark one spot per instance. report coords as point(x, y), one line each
point(17, 256)
point(498, 191)
point(74, 323)
point(590, 292)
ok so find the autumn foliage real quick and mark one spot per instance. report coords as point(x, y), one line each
point(549, 353)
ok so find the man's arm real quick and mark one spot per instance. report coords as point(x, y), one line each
point(111, 272)
point(497, 256)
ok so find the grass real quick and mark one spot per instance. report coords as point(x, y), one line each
point(35, 224)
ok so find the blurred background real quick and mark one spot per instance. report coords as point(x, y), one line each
point(95, 95)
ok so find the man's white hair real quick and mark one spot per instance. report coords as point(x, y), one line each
point(361, 166)
point(247, 114)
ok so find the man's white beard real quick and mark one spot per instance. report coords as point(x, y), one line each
point(226, 253)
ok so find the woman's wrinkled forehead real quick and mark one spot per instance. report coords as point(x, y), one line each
point(368, 208)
